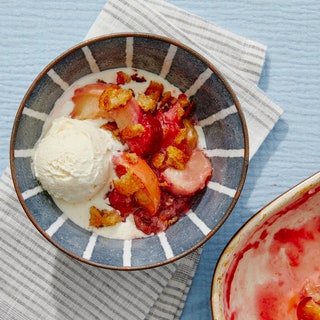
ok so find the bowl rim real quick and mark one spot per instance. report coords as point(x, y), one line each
point(180, 45)
point(280, 202)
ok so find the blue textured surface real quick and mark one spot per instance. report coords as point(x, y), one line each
point(34, 32)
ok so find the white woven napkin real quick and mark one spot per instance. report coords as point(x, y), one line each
point(238, 59)
point(40, 282)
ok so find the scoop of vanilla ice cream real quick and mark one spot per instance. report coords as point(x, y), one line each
point(73, 159)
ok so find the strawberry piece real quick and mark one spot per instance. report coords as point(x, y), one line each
point(147, 196)
point(188, 181)
point(171, 123)
point(174, 114)
point(86, 101)
point(125, 204)
point(308, 309)
point(148, 142)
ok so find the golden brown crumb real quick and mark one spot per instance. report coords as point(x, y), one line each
point(171, 221)
point(167, 98)
point(176, 158)
point(110, 218)
point(184, 101)
point(114, 97)
point(180, 136)
point(132, 158)
point(180, 112)
point(158, 160)
point(128, 184)
point(132, 131)
point(154, 90)
point(163, 184)
point(149, 99)
point(146, 103)
point(103, 218)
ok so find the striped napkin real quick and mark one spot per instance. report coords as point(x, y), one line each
point(40, 282)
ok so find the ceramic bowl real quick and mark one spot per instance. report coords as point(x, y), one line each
point(271, 267)
point(222, 122)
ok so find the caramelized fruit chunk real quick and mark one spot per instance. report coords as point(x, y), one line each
point(144, 181)
point(190, 140)
point(103, 218)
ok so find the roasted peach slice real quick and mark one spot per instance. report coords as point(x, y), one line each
point(189, 180)
point(139, 178)
point(86, 101)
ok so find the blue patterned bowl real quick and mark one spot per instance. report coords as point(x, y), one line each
point(217, 110)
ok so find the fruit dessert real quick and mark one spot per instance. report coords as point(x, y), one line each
point(276, 274)
point(131, 162)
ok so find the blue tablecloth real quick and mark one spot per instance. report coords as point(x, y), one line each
point(35, 32)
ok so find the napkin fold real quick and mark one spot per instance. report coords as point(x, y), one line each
point(40, 282)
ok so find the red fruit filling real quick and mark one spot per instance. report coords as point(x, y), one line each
point(162, 170)
point(147, 142)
